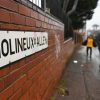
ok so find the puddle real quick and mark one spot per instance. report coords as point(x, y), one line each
point(82, 65)
point(75, 61)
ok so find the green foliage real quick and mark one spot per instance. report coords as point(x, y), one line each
point(83, 12)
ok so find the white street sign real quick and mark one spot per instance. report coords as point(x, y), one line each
point(15, 45)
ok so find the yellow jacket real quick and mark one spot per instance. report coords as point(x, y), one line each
point(90, 42)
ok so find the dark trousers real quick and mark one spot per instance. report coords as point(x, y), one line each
point(89, 49)
point(99, 48)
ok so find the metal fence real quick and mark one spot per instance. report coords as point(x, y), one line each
point(55, 9)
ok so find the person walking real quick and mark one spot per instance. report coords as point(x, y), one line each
point(99, 46)
point(97, 39)
point(89, 45)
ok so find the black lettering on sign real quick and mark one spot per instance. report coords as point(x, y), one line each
point(32, 43)
point(16, 46)
point(28, 43)
point(45, 40)
point(4, 46)
point(38, 41)
point(11, 51)
point(20, 44)
point(24, 44)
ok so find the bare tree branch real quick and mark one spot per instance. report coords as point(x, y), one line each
point(73, 8)
point(65, 5)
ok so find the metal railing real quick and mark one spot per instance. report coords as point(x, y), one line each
point(54, 8)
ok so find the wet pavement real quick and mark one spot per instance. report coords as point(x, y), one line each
point(81, 77)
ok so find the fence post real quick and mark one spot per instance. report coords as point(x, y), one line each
point(44, 5)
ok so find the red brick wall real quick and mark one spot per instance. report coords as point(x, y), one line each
point(69, 47)
point(33, 77)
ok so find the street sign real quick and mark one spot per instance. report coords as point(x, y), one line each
point(15, 45)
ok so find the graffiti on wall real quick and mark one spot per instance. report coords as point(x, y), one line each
point(58, 46)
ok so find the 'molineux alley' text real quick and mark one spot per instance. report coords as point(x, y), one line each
point(11, 47)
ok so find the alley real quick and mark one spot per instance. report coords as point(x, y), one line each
point(81, 77)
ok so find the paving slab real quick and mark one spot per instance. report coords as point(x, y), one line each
point(81, 77)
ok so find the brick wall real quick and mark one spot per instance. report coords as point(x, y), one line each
point(69, 46)
point(33, 77)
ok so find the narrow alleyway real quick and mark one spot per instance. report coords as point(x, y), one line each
point(81, 77)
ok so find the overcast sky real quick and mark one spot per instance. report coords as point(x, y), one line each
point(95, 19)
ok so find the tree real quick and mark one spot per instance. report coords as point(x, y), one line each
point(65, 5)
point(95, 26)
point(73, 8)
point(83, 12)
point(73, 13)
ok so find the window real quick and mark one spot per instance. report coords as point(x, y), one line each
point(31, 3)
point(36, 2)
